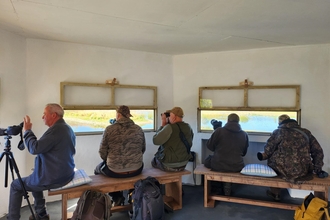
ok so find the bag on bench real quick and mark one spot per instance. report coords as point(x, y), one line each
point(147, 199)
point(313, 208)
point(93, 205)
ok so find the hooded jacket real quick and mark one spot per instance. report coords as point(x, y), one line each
point(229, 144)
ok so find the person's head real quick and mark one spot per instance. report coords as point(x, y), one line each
point(282, 118)
point(52, 113)
point(233, 118)
point(123, 112)
point(176, 115)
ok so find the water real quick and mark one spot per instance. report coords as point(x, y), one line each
point(84, 128)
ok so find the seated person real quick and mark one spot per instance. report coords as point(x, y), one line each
point(173, 154)
point(293, 152)
point(53, 164)
point(121, 150)
point(229, 144)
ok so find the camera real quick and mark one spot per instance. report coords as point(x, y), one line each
point(12, 130)
point(216, 124)
point(112, 120)
point(167, 114)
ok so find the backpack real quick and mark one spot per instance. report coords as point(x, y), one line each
point(93, 205)
point(148, 203)
point(313, 208)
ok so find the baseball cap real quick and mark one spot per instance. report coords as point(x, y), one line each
point(124, 110)
point(177, 111)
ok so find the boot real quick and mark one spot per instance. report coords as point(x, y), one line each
point(227, 188)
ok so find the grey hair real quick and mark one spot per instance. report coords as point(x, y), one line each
point(56, 108)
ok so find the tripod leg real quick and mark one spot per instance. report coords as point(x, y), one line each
point(26, 196)
point(6, 175)
point(11, 169)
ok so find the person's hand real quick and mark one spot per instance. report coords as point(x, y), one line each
point(164, 120)
point(259, 155)
point(27, 123)
point(322, 174)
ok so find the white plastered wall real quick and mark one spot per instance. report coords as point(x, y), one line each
point(12, 105)
point(307, 66)
point(34, 69)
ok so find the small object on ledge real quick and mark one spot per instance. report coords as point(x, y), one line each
point(112, 81)
point(246, 83)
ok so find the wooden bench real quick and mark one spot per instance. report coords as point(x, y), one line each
point(172, 181)
point(318, 185)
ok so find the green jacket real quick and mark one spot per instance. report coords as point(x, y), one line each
point(172, 151)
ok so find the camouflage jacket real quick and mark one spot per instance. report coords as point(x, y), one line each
point(123, 145)
point(293, 152)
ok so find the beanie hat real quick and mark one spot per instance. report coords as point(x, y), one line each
point(282, 118)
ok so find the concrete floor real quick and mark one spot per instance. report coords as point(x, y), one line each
point(193, 207)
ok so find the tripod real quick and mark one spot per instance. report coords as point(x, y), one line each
point(10, 161)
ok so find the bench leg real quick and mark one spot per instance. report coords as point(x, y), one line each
point(323, 195)
point(207, 190)
point(64, 206)
point(173, 195)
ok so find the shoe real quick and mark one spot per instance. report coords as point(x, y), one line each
point(130, 214)
point(46, 217)
point(227, 189)
point(274, 196)
point(118, 201)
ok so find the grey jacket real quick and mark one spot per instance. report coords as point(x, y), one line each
point(229, 144)
point(54, 164)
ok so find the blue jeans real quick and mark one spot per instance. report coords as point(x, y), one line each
point(17, 193)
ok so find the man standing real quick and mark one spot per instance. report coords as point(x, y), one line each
point(121, 150)
point(54, 164)
point(174, 151)
point(229, 144)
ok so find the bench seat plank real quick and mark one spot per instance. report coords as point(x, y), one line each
point(320, 187)
point(101, 183)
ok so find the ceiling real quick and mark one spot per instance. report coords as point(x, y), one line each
point(171, 26)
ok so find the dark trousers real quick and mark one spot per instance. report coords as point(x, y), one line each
point(102, 168)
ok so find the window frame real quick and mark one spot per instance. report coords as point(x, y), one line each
point(246, 86)
point(112, 102)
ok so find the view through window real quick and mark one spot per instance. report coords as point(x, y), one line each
point(95, 121)
point(250, 121)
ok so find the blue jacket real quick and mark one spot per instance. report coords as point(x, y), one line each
point(54, 162)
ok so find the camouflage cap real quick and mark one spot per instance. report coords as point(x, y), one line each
point(233, 117)
point(282, 118)
point(124, 111)
point(177, 111)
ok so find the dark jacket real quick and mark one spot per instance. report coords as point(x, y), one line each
point(292, 154)
point(230, 144)
point(54, 164)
